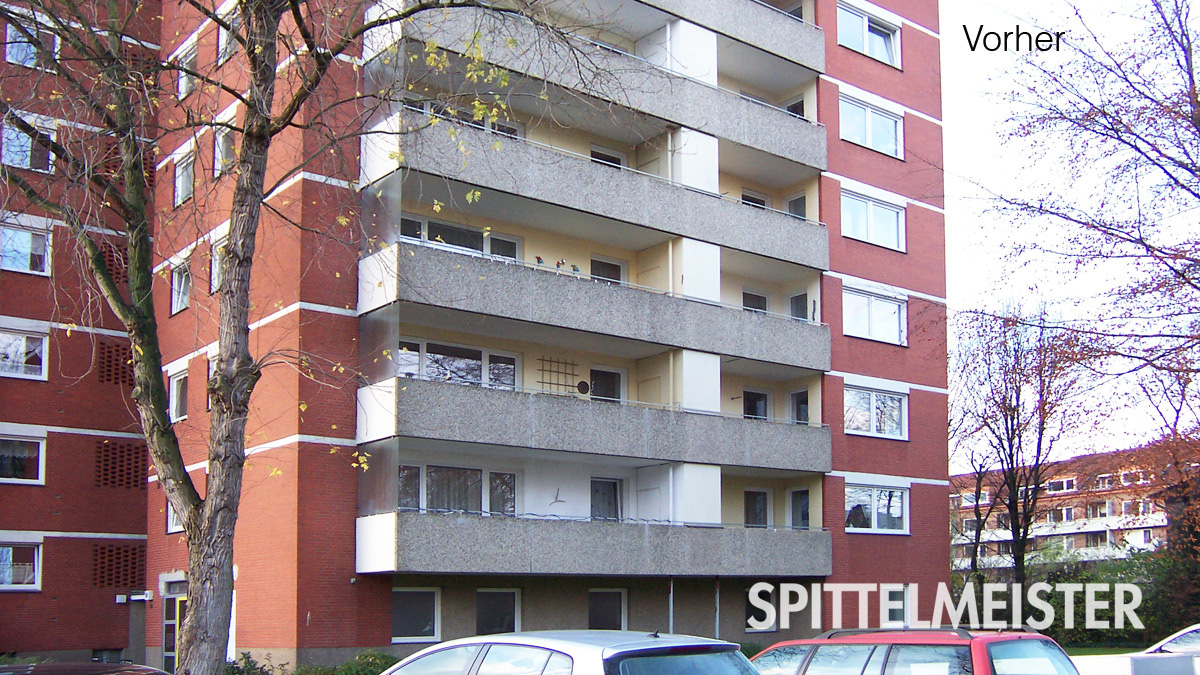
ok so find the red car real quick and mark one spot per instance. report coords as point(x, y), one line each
point(913, 652)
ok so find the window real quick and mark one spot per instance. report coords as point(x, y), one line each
point(502, 494)
point(606, 156)
point(22, 460)
point(1131, 477)
point(24, 250)
point(459, 238)
point(497, 611)
point(1097, 510)
point(174, 524)
point(216, 265)
point(1095, 539)
point(876, 413)
point(971, 525)
point(181, 287)
point(798, 304)
point(944, 659)
point(754, 301)
point(1147, 536)
point(757, 508)
point(224, 154)
point(185, 178)
point(799, 509)
point(897, 599)
point(186, 63)
point(22, 355)
point(869, 126)
point(177, 393)
point(755, 404)
point(607, 271)
point(18, 149)
point(453, 489)
point(878, 509)
point(20, 567)
point(20, 51)
point(606, 385)
point(781, 660)
point(796, 108)
point(1063, 485)
point(409, 488)
point(872, 221)
point(799, 406)
point(606, 499)
point(755, 199)
point(457, 489)
point(1063, 514)
point(1004, 548)
point(1003, 521)
point(452, 661)
point(606, 609)
point(1105, 481)
point(759, 615)
point(174, 610)
point(968, 498)
point(502, 659)
point(798, 206)
point(868, 35)
point(227, 38)
point(416, 615)
point(873, 317)
point(457, 364)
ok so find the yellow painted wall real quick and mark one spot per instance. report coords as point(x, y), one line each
point(733, 505)
point(732, 387)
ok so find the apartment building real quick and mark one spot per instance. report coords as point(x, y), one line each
point(72, 459)
point(604, 360)
point(1092, 507)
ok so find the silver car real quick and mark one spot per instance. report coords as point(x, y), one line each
point(577, 652)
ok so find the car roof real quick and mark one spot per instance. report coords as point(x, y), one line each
point(599, 644)
point(79, 668)
point(924, 637)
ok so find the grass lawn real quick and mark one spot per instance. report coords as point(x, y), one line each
point(1092, 651)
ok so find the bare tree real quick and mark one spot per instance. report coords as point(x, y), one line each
point(1119, 120)
point(1016, 396)
point(95, 66)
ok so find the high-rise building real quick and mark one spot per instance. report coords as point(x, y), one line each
point(603, 334)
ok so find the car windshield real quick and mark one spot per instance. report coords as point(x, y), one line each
point(679, 662)
point(1188, 642)
point(1029, 657)
point(781, 660)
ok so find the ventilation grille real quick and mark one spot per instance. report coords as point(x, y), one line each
point(121, 465)
point(114, 259)
point(114, 363)
point(118, 566)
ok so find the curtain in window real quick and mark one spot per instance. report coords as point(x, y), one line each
point(18, 459)
point(454, 489)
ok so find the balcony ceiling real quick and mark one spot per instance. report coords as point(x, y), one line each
point(627, 18)
point(762, 168)
point(760, 69)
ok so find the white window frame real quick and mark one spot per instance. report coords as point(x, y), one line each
point(41, 468)
point(437, 616)
point(901, 220)
point(45, 338)
point(902, 318)
point(884, 591)
point(10, 131)
point(788, 516)
point(14, 36)
point(773, 628)
point(174, 524)
point(762, 294)
point(612, 261)
point(181, 298)
point(967, 499)
point(624, 602)
point(223, 134)
point(1069, 485)
point(770, 403)
point(516, 605)
point(423, 355)
point(770, 507)
point(874, 392)
point(44, 232)
point(24, 540)
point(871, 16)
point(610, 152)
point(485, 501)
point(874, 529)
point(622, 500)
point(624, 373)
point(787, 204)
point(174, 414)
point(793, 414)
point(868, 111)
point(185, 165)
point(227, 46)
point(216, 260)
point(488, 237)
point(766, 199)
point(188, 57)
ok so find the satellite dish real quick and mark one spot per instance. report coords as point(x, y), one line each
point(583, 387)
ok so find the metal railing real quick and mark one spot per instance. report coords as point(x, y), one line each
point(609, 401)
point(571, 153)
point(584, 276)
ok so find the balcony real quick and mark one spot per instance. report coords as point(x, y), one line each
point(473, 544)
point(444, 411)
point(559, 186)
point(531, 293)
point(610, 76)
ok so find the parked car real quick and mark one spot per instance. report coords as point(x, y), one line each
point(1158, 657)
point(914, 651)
point(80, 668)
point(577, 652)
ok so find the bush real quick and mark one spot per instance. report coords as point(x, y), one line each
point(367, 663)
point(245, 665)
